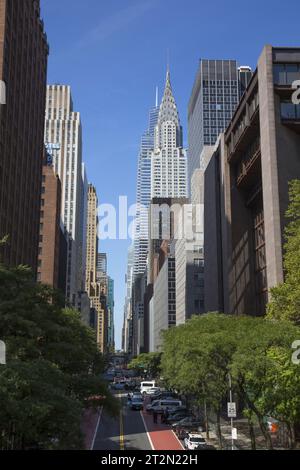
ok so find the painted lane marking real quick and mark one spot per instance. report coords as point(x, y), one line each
point(147, 432)
point(96, 430)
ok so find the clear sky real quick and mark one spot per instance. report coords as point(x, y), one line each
point(114, 52)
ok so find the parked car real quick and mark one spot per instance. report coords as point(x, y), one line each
point(182, 430)
point(178, 415)
point(150, 406)
point(189, 422)
point(192, 441)
point(136, 403)
point(137, 395)
point(119, 385)
point(162, 405)
point(205, 447)
point(165, 395)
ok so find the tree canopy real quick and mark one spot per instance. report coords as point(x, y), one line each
point(53, 366)
point(285, 298)
point(200, 356)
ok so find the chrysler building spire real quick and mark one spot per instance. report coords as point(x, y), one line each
point(168, 109)
point(168, 162)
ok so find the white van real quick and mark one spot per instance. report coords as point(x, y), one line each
point(147, 385)
point(162, 405)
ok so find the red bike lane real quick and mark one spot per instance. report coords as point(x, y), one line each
point(161, 436)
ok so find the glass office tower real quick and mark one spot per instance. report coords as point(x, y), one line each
point(144, 193)
point(216, 92)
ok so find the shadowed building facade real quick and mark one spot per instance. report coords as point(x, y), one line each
point(246, 183)
point(23, 69)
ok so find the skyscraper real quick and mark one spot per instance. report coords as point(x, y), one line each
point(110, 312)
point(169, 160)
point(216, 92)
point(143, 196)
point(127, 325)
point(23, 69)
point(97, 290)
point(101, 263)
point(91, 241)
point(168, 195)
point(63, 127)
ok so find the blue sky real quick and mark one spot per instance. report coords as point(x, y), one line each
point(113, 54)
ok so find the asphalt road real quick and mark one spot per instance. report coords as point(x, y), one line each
point(127, 432)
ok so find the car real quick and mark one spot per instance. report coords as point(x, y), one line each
point(153, 391)
point(137, 396)
point(150, 406)
point(162, 405)
point(146, 385)
point(205, 447)
point(188, 425)
point(136, 404)
point(193, 440)
point(175, 417)
point(164, 395)
point(119, 385)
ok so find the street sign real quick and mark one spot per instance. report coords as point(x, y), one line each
point(234, 433)
point(231, 410)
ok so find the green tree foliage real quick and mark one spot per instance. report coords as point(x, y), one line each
point(149, 362)
point(199, 356)
point(53, 366)
point(285, 303)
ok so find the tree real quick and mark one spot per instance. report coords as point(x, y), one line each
point(256, 352)
point(149, 362)
point(285, 298)
point(53, 366)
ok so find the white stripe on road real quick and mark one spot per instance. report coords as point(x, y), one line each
point(146, 429)
point(96, 430)
point(178, 439)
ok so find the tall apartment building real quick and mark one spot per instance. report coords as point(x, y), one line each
point(63, 129)
point(143, 196)
point(246, 193)
point(23, 69)
point(218, 87)
point(95, 288)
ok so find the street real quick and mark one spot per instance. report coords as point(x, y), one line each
point(133, 430)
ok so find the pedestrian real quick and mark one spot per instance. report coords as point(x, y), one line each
point(154, 417)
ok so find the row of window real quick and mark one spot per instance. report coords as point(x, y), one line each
point(286, 74)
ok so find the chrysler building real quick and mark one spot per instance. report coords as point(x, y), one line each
point(169, 159)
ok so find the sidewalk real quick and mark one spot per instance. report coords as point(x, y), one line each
point(243, 441)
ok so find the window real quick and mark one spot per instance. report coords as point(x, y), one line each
point(289, 110)
point(285, 74)
point(198, 262)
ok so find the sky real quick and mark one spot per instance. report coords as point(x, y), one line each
point(114, 53)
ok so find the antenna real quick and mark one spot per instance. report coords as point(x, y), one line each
point(156, 97)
